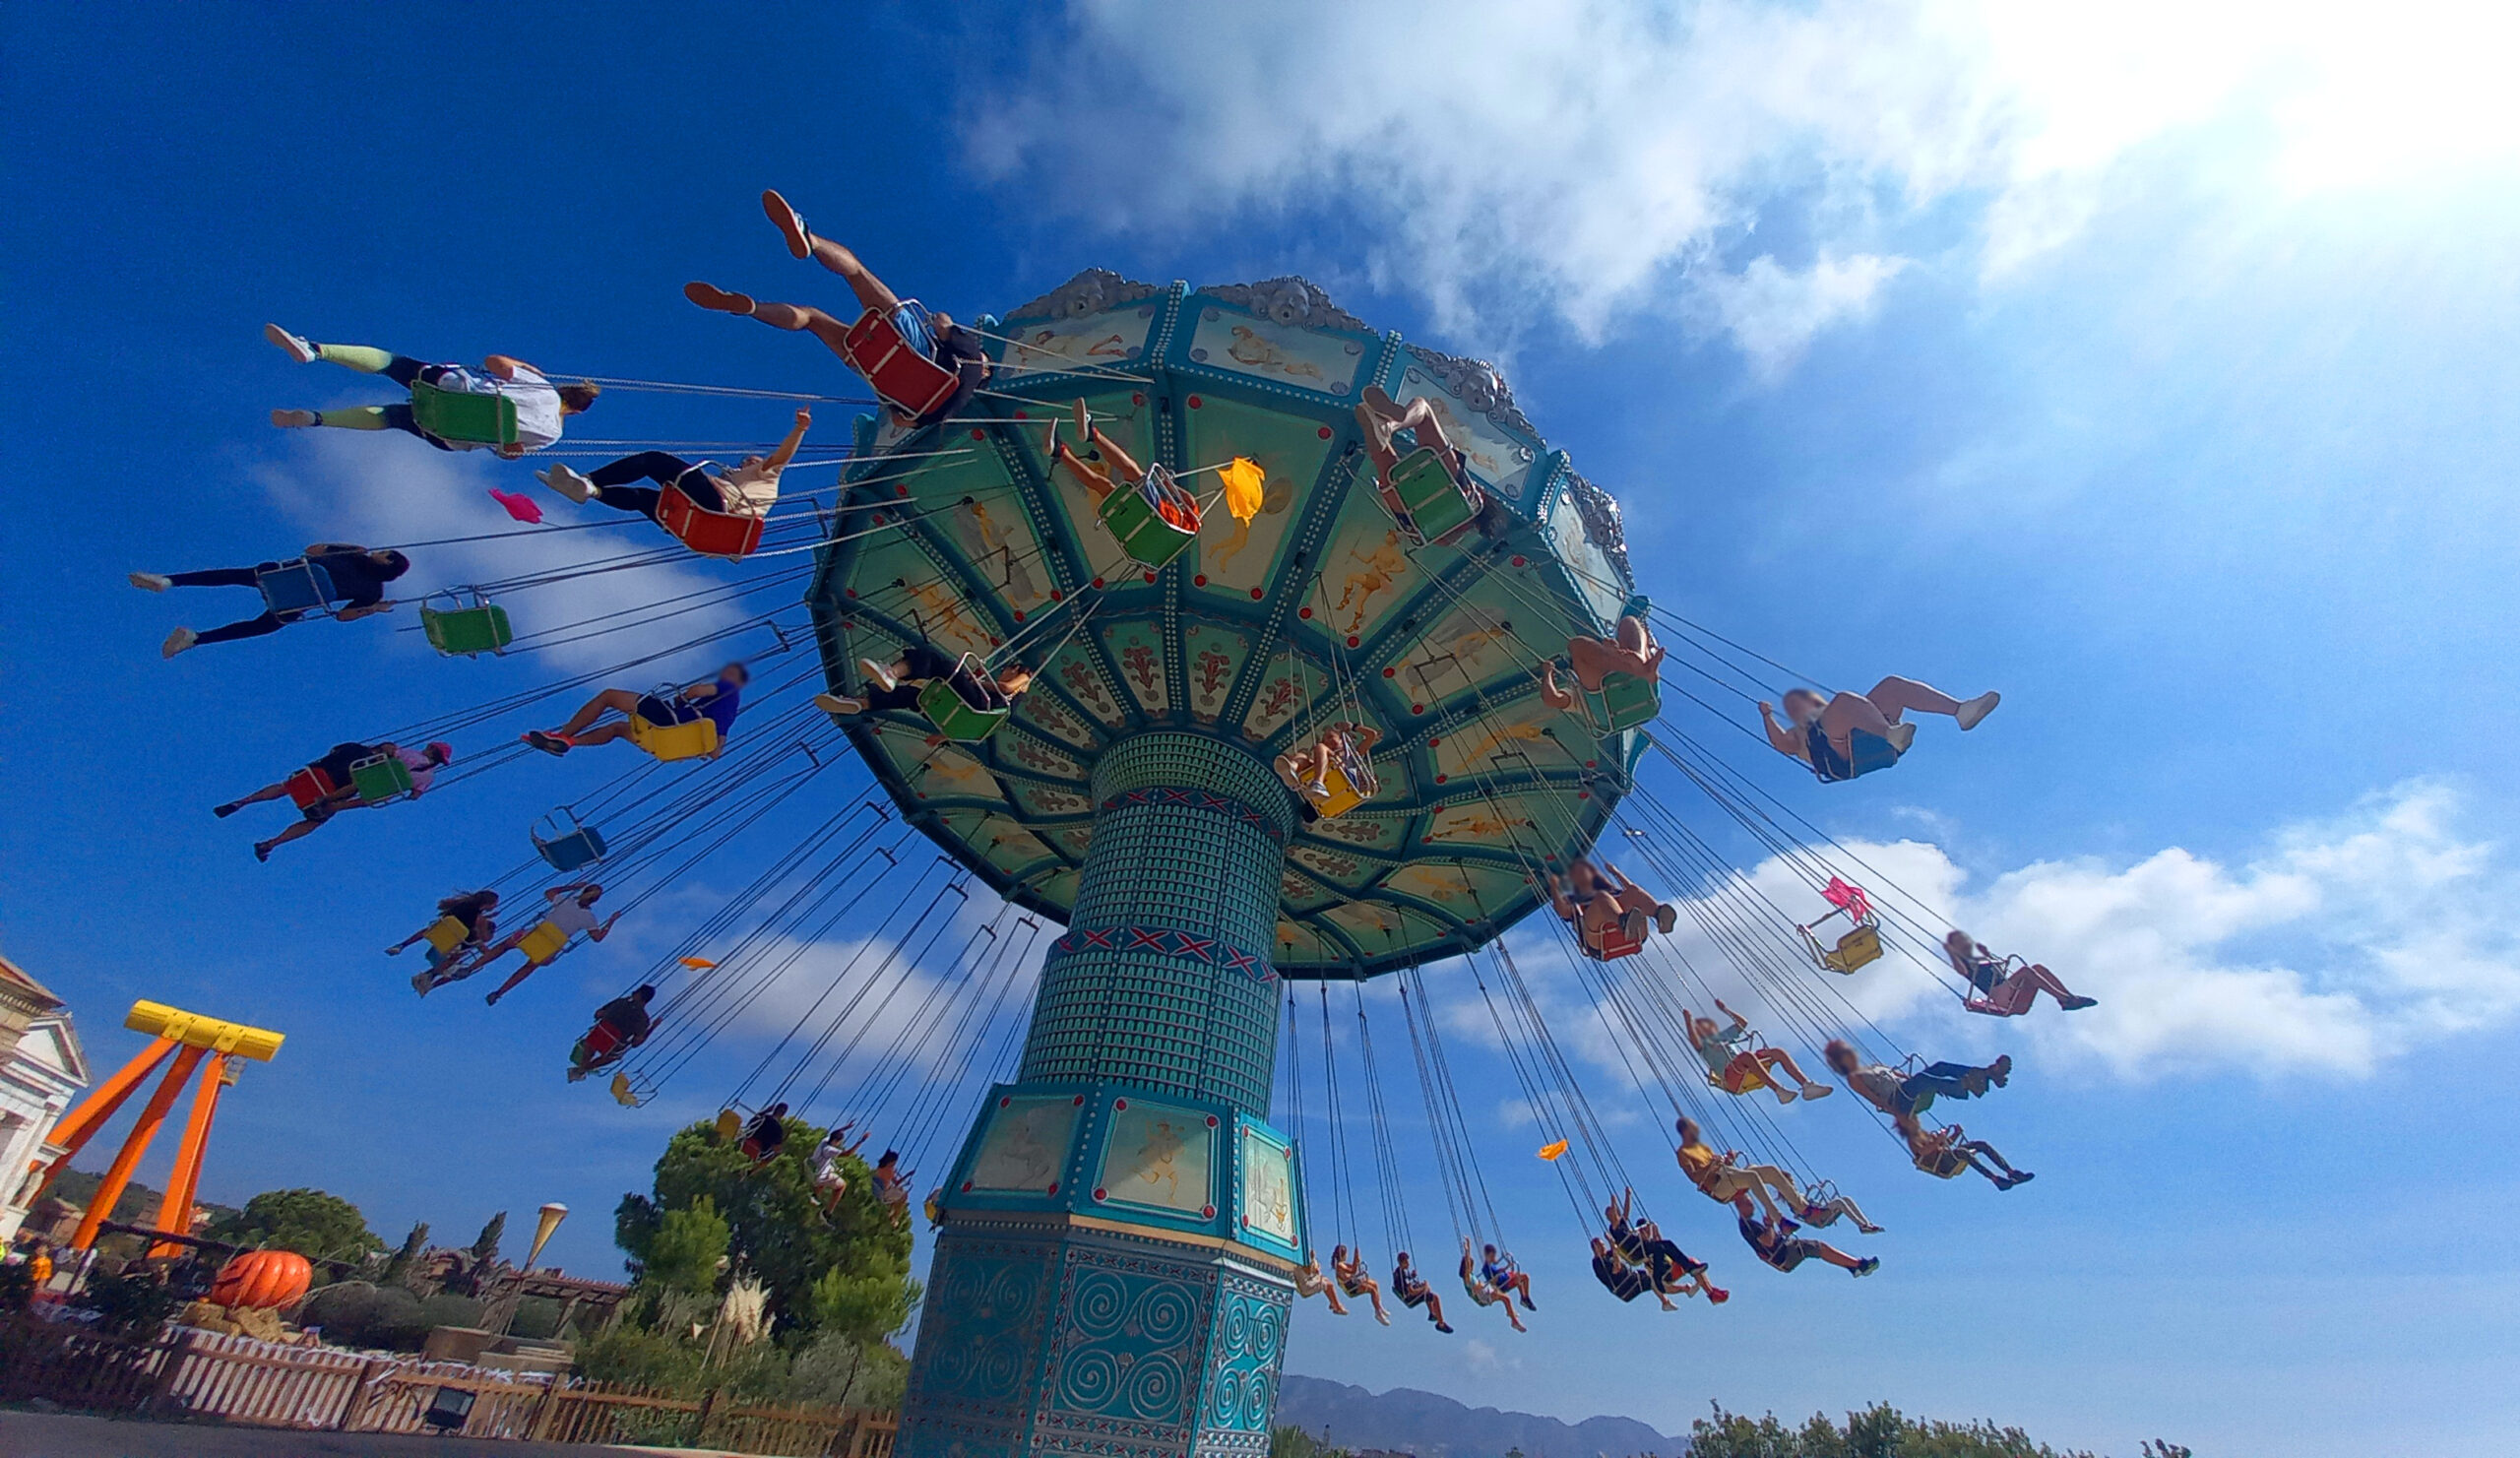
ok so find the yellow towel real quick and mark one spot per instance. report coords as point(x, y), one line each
point(1242, 482)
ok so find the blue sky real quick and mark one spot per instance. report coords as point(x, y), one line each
point(2149, 365)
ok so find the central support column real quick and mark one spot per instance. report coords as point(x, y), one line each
point(1112, 1276)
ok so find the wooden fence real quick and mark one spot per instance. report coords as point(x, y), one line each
point(265, 1384)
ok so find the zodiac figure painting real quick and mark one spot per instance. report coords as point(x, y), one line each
point(1268, 1199)
point(1159, 1156)
point(1251, 350)
point(1026, 1147)
point(1378, 568)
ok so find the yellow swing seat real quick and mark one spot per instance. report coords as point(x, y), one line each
point(1343, 796)
point(544, 942)
point(445, 934)
point(1858, 948)
point(675, 741)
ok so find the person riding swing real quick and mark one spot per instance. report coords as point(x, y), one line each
point(1310, 1282)
point(2001, 990)
point(1484, 1292)
point(1354, 1278)
point(619, 1026)
point(507, 405)
point(900, 683)
point(1853, 735)
point(766, 1135)
point(1738, 1070)
point(1413, 1292)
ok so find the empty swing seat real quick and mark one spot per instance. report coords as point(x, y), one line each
point(1130, 514)
point(464, 624)
point(958, 718)
point(622, 1094)
point(1624, 702)
point(569, 848)
point(456, 415)
point(294, 587)
point(712, 534)
point(690, 739)
point(1437, 506)
point(381, 778)
point(1855, 949)
point(905, 375)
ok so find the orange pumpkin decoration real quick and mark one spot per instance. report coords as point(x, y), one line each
point(262, 1279)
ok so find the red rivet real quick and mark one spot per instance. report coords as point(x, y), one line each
point(849, 622)
point(1325, 432)
point(1304, 612)
point(1519, 562)
point(1199, 581)
point(1136, 400)
point(1119, 1104)
point(1054, 595)
point(1390, 672)
point(1053, 1189)
point(1583, 794)
point(1436, 740)
point(879, 519)
point(1256, 595)
point(1592, 764)
point(853, 592)
point(1022, 414)
point(993, 640)
point(1208, 1212)
point(1194, 402)
point(1078, 1100)
point(1440, 779)
point(1149, 576)
point(1019, 614)
point(1097, 582)
point(967, 1186)
point(1211, 1123)
point(1101, 1193)
point(1417, 707)
point(1002, 1103)
point(900, 488)
point(979, 434)
point(1353, 640)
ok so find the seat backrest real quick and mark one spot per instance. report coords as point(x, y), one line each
point(905, 377)
point(381, 778)
point(308, 786)
point(673, 742)
point(955, 717)
point(454, 414)
point(1140, 528)
point(544, 942)
point(712, 534)
point(295, 586)
point(463, 632)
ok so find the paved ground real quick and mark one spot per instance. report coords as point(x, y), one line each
point(59, 1435)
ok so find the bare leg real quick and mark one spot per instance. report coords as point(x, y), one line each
point(803, 242)
point(1337, 1307)
point(1552, 695)
point(605, 734)
point(2033, 980)
point(267, 793)
point(1849, 713)
point(1777, 1057)
point(1096, 480)
point(1778, 1181)
point(520, 975)
point(619, 700)
point(1895, 696)
point(833, 333)
point(1597, 658)
point(1116, 454)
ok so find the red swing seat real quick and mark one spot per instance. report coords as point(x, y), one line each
point(905, 378)
point(1615, 943)
point(308, 786)
point(712, 534)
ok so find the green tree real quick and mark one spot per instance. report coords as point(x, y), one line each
point(485, 1245)
point(847, 1272)
point(1878, 1431)
point(398, 1271)
point(307, 1221)
point(1295, 1443)
point(687, 1247)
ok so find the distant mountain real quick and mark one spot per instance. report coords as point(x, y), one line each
point(1407, 1420)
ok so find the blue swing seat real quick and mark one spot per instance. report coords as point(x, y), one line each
point(569, 848)
point(294, 587)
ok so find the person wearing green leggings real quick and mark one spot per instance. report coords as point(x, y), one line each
point(526, 413)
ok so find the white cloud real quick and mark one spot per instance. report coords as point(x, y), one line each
point(1586, 156)
point(352, 485)
point(2348, 942)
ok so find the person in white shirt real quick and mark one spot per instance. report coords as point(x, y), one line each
point(830, 1181)
point(749, 489)
point(541, 405)
point(571, 913)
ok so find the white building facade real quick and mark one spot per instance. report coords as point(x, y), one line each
point(41, 1071)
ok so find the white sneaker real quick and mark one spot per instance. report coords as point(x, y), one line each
point(566, 481)
point(1784, 1095)
point(1901, 736)
point(421, 984)
point(1818, 1091)
point(177, 641)
point(839, 704)
point(296, 345)
point(149, 582)
point(1969, 714)
point(879, 672)
point(1383, 1316)
point(294, 419)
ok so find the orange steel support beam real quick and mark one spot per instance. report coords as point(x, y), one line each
point(80, 1124)
point(175, 1210)
point(100, 1208)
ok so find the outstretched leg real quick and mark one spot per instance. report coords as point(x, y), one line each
point(1096, 480)
point(1776, 1180)
point(620, 701)
point(833, 333)
point(803, 243)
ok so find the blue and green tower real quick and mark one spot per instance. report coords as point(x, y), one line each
point(1113, 1274)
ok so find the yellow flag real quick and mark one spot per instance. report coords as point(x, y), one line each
point(1551, 1152)
point(696, 964)
point(1242, 482)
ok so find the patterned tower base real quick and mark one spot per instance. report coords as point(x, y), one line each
point(1112, 1277)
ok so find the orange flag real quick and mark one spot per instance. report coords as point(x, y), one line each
point(1244, 480)
point(697, 964)
point(1551, 1152)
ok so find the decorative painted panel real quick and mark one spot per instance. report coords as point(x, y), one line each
point(1161, 1155)
point(1026, 1145)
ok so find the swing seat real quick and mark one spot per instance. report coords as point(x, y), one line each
point(675, 741)
point(544, 942)
point(462, 629)
point(1855, 949)
point(601, 1045)
point(711, 533)
point(445, 936)
point(621, 1092)
point(294, 587)
point(1613, 944)
point(308, 786)
point(1624, 702)
point(730, 1126)
point(567, 849)
point(454, 414)
point(905, 378)
point(1437, 506)
point(381, 778)
point(1343, 796)
point(955, 717)
point(1130, 515)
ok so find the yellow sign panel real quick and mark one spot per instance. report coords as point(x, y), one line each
point(196, 1030)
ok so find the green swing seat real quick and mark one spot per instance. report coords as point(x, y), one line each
point(1129, 514)
point(955, 717)
point(1624, 702)
point(466, 626)
point(379, 778)
point(453, 414)
point(1436, 504)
